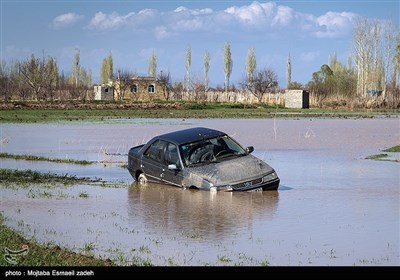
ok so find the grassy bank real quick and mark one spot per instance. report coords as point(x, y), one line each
point(102, 111)
point(394, 149)
point(39, 158)
point(19, 251)
point(386, 157)
point(23, 177)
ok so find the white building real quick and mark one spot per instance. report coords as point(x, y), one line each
point(103, 92)
point(299, 99)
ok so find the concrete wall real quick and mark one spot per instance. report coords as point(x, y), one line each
point(103, 93)
point(142, 93)
point(297, 99)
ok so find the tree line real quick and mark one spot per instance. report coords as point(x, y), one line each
point(38, 78)
point(372, 72)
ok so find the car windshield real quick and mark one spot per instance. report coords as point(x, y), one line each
point(210, 150)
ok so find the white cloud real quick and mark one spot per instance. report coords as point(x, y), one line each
point(189, 25)
point(254, 14)
point(65, 20)
point(161, 32)
point(112, 21)
point(268, 17)
point(284, 16)
point(195, 12)
point(334, 24)
point(146, 18)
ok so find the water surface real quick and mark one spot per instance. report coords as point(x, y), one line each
point(334, 207)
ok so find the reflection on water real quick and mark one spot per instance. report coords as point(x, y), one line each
point(170, 209)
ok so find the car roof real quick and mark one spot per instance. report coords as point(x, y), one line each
point(190, 135)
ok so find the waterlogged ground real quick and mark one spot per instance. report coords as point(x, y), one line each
point(334, 207)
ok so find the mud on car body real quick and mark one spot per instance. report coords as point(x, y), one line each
point(200, 158)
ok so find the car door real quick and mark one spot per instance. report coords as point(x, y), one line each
point(152, 161)
point(171, 157)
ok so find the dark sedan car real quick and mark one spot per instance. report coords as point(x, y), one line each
point(200, 158)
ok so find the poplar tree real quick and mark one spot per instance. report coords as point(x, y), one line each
point(107, 69)
point(152, 69)
point(76, 67)
point(227, 64)
point(251, 64)
point(187, 66)
point(288, 72)
point(206, 69)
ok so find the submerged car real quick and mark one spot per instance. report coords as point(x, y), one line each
point(200, 158)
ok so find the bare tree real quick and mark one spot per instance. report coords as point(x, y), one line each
point(10, 82)
point(7, 85)
point(396, 62)
point(197, 88)
point(177, 89)
point(32, 73)
point(228, 64)
point(85, 84)
point(389, 43)
point(362, 49)
point(374, 45)
point(51, 78)
point(262, 82)
point(123, 83)
point(165, 80)
point(206, 69)
point(63, 86)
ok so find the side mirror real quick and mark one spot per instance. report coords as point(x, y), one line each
point(172, 167)
point(249, 149)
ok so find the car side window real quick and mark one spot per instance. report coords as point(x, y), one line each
point(171, 154)
point(155, 151)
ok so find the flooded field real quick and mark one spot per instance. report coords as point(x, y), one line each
point(333, 207)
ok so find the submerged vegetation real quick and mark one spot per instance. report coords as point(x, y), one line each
point(386, 157)
point(40, 158)
point(22, 252)
point(21, 177)
point(394, 149)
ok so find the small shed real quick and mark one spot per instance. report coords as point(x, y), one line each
point(103, 92)
point(299, 99)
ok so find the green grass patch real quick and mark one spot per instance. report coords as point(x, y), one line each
point(40, 158)
point(394, 149)
point(224, 259)
point(378, 156)
point(24, 177)
point(104, 112)
point(83, 195)
point(18, 251)
point(386, 157)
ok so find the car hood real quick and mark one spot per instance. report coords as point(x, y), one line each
point(231, 171)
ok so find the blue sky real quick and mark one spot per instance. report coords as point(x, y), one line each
point(309, 31)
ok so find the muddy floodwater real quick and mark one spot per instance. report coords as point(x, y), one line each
point(333, 207)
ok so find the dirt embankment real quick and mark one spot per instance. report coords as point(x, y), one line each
point(85, 105)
